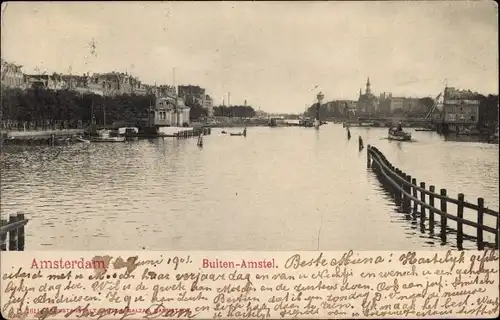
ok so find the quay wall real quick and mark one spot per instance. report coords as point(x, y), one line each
point(41, 134)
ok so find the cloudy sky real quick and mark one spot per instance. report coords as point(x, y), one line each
point(270, 53)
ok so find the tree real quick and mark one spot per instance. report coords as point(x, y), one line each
point(488, 111)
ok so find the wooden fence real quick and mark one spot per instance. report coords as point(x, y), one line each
point(405, 191)
point(15, 229)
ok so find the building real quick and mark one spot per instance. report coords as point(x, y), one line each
point(162, 90)
point(208, 105)
point(169, 116)
point(74, 81)
point(367, 102)
point(460, 106)
point(12, 75)
point(384, 103)
point(397, 104)
point(412, 105)
point(52, 82)
point(192, 94)
point(339, 108)
point(116, 83)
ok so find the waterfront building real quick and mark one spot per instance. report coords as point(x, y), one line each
point(460, 106)
point(367, 102)
point(12, 75)
point(396, 104)
point(339, 108)
point(168, 115)
point(384, 103)
point(412, 105)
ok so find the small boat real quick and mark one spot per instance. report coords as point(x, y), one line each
point(108, 139)
point(223, 132)
point(236, 134)
point(399, 135)
point(105, 136)
point(81, 139)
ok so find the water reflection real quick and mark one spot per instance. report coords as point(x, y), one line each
point(271, 191)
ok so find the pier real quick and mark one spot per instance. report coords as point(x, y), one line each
point(14, 228)
point(405, 191)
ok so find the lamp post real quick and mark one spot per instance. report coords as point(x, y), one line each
point(320, 97)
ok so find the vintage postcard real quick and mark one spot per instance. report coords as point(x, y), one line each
point(249, 159)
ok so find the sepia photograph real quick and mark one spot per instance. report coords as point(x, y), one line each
point(249, 125)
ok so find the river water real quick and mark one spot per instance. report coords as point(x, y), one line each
point(276, 189)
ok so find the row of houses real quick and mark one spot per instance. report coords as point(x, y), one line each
point(452, 105)
point(105, 84)
point(370, 104)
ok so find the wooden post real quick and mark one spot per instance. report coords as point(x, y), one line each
point(443, 217)
point(3, 237)
point(480, 218)
point(496, 234)
point(20, 233)
point(431, 203)
point(368, 156)
point(414, 184)
point(397, 190)
point(422, 198)
point(12, 234)
point(460, 216)
point(407, 189)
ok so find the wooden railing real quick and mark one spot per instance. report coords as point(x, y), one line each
point(404, 190)
point(14, 228)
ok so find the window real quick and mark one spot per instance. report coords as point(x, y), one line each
point(472, 118)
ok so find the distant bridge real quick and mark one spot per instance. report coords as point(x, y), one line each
point(393, 119)
point(409, 119)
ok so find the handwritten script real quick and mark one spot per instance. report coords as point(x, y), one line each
point(249, 285)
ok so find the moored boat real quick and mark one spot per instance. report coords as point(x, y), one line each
point(81, 139)
point(399, 135)
point(236, 134)
point(494, 138)
point(107, 136)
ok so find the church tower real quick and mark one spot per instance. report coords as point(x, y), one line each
point(368, 91)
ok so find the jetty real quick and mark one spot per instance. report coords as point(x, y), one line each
point(14, 228)
point(405, 192)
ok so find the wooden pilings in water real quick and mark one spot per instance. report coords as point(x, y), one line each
point(14, 228)
point(193, 133)
point(405, 189)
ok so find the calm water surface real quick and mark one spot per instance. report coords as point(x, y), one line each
point(276, 189)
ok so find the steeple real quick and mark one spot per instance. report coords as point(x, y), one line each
point(368, 91)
